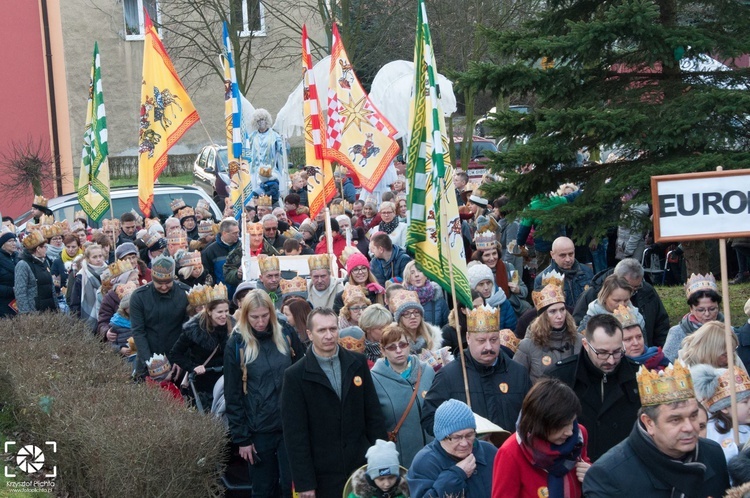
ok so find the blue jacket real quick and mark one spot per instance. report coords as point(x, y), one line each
point(436, 311)
point(434, 473)
point(350, 192)
point(213, 258)
point(394, 267)
point(576, 282)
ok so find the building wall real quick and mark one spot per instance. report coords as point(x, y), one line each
point(86, 21)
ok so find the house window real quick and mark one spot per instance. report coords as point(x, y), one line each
point(134, 18)
point(248, 17)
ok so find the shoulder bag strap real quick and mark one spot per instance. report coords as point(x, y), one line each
point(394, 433)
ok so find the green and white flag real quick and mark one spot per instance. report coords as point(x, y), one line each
point(93, 180)
point(434, 234)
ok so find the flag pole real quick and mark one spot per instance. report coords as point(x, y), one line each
point(443, 237)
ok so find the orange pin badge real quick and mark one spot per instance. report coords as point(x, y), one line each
point(503, 387)
point(357, 381)
point(546, 361)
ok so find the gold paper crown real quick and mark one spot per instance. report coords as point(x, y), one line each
point(668, 386)
point(119, 267)
point(177, 204)
point(123, 290)
point(201, 295)
point(700, 282)
point(348, 206)
point(265, 171)
point(77, 226)
point(44, 219)
point(190, 259)
point(741, 384)
point(346, 254)
point(552, 291)
point(353, 293)
point(54, 230)
point(509, 339)
point(319, 262)
point(206, 227)
point(148, 222)
point(81, 214)
point(113, 224)
point(158, 366)
point(626, 316)
point(264, 200)
point(185, 212)
point(297, 284)
point(40, 200)
point(291, 233)
point(401, 298)
point(336, 209)
point(255, 228)
point(268, 263)
point(33, 239)
point(483, 319)
point(151, 239)
point(177, 237)
point(485, 239)
point(202, 208)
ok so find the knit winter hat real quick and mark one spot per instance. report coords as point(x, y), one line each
point(712, 386)
point(478, 273)
point(10, 235)
point(452, 416)
point(125, 249)
point(402, 301)
point(382, 459)
point(355, 260)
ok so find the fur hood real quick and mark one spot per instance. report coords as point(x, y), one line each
point(363, 489)
point(437, 336)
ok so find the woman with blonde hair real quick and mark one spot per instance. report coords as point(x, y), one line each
point(373, 321)
point(256, 355)
point(85, 299)
point(408, 312)
point(615, 291)
point(708, 345)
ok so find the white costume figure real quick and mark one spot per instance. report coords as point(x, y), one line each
point(265, 147)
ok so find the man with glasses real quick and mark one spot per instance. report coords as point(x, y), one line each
point(497, 384)
point(644, 297)
point(604, 380)
point(271, 233)
point(455, 463)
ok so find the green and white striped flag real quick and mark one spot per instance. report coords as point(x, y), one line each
point(93, 180)
point(434, 234)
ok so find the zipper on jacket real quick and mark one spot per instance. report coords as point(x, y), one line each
point(604, 381)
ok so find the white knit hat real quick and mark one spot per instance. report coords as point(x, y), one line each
point(479, 272)
point(382, 459)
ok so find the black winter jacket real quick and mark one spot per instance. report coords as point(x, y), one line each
point(194, 347)
point(7, 278)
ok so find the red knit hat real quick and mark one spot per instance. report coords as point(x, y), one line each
point(355, 260)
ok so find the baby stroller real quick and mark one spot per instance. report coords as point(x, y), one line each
point(236, 478)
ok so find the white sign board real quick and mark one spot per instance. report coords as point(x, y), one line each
point(698, 206)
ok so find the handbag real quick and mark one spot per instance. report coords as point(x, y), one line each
point(393, 435)
point(186, 381)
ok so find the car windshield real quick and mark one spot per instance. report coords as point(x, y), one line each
point(478, 149)
point(221, 160)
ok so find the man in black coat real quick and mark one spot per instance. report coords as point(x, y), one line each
point(157, 312)
point(497, 384)
point(330, 411)
point(663, 455)
point(644, 298)
point(604, 380)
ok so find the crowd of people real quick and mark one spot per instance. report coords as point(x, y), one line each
point(356, 377)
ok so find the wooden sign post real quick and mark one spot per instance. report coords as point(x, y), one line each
point(706, 206)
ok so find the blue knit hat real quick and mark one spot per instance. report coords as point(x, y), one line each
point(452, 416)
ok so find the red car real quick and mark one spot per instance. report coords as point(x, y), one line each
point(478, 164)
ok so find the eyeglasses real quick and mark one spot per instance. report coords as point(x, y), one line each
point(357, 308)
point(271, 229)
point(396, 346)
point(387, 212)
point(360, 269)
point(469, 438)
point(411, 314)
point(604, 355)
point(704, 311)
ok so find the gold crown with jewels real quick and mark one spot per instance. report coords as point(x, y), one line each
point(552, 291)
point(268, 263)
point(672, 384)
point(483, 319)
point(700, 282)
point(297, 284)
point(201, 295)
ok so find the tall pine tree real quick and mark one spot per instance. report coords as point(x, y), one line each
point(622, 75)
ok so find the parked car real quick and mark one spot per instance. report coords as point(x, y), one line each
point(478, 163)
point(210, 172)
point(479, 127)
point(126, 198)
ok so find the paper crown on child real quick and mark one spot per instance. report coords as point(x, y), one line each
point(177, 204)
point(264, 200)
point(700, 282)
point(485, 239)
point(185, 212)
point(319, 262)
point(297, 285)
point(158, 366)
point(119, 267)
point(670, 385)
point(34, 239)
point(626, 316)
point(268, 263)
point(201, 295)
point(552, 291)
point(483, 319)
